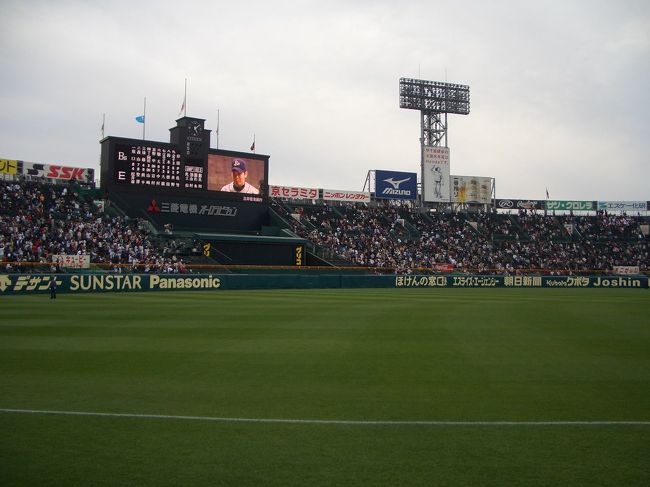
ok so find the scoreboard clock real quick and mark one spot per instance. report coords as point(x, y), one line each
point(195, 128)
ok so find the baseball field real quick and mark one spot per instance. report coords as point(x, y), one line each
point(327, 387)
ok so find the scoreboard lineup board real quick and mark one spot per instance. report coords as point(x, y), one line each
point(186, 166)
point(152, 166)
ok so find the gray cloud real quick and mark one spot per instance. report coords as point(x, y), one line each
point(558, 88)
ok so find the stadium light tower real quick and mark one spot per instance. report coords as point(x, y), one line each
point(434, 100)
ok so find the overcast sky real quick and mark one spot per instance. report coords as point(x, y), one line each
point(559, 89)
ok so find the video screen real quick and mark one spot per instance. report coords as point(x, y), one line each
point(235, 175)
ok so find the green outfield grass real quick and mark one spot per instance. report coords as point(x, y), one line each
point(396, 357)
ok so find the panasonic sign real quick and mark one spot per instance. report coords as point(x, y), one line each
point(395, 185)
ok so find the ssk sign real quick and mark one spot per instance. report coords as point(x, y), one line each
point(395, 185)
point(58, 172)
point(61, 172)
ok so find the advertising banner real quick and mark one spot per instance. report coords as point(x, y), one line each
point(196, 214)
point(569, 205)
point(58, 172)
point(351, 196)
point(293, 193)
point(396, 185)
point(522, 281)
point(513, 204)
point(471, 189)
point(72, 261)
point(62, 173)
point(635, 206)
point(85, 283)
point(443, 267)
point(8, 166)
point(435, 174)
point(626, 270)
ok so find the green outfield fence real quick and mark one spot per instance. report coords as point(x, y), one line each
point(11, 284)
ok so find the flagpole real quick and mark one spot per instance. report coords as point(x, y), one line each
point(183, 110)
point(103, 123)
point(144, 119)
point(546, 204)
point(217, 129)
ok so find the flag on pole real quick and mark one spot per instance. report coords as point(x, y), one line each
point(547, 196)
point(183, 110)
point(103, 122)
point(253, 144)
point(217, 130)
point(182, 106)
point(141, 118)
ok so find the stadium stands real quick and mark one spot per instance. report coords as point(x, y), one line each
point(40, 220)
point(405, 240)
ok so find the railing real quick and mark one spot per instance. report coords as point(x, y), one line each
point(33, 267)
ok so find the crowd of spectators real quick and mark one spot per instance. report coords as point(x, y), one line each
point(39, 221)
point(402, 239)
point(365, 236)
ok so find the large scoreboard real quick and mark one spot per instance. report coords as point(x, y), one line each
point(184, 166)
point(185, 182)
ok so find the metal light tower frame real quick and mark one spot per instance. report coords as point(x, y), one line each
point(434, 100)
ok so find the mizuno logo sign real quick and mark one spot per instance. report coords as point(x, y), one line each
point(395, 184)
point(397, 192)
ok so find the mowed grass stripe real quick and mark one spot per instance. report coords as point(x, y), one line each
point(368, 422)
point(385, 354)
point(438, 356)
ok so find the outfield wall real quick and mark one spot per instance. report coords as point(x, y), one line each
point(84, 283)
